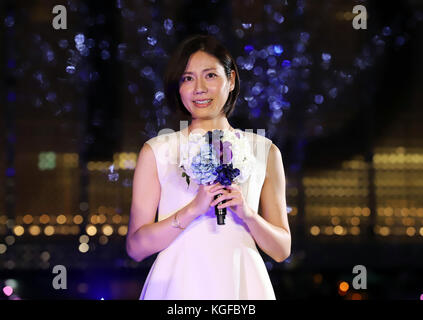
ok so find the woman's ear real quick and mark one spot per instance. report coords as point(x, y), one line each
point(232, 80)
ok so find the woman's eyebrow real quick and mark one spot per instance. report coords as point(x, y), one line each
point(207, 69)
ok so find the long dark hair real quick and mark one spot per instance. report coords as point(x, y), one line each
point(179, 61)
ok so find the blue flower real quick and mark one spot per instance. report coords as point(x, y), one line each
point(204, 165)
point(226, 174)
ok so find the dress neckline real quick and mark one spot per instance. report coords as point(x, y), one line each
point(186, 132)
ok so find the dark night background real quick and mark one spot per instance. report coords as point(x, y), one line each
point(344, 106)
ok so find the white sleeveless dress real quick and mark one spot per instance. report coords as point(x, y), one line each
point(207, 261)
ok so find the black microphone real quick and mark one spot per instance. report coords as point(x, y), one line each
point(220, 212)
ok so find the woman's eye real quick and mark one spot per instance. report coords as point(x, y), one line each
point(188, 78)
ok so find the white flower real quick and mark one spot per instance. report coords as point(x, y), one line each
point(242, 156)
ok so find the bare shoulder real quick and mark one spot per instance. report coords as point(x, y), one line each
point(272, 199)
point(146, 150)
point(274, 152)
point(145, 190)
point(274, 161)
point(147, 160)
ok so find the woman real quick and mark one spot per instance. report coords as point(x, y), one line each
point(198, 259)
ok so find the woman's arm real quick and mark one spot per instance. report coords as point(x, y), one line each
point(270, 230)
point(145, 237)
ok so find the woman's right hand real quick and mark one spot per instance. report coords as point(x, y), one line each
point(205, 196)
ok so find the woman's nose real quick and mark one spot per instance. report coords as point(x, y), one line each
point(200, 86)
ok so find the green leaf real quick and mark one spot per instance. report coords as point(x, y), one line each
point(186, 178)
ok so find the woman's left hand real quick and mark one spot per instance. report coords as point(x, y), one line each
point(235, 201)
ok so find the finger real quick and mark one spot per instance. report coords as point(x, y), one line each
point(230, 203)
point(220, 194)
point(210, 186)
point(221, 191)
point(217, 187)
point(232, 191)
point(216, 201)
point(222, 198)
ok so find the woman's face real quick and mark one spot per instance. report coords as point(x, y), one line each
point(204, 87)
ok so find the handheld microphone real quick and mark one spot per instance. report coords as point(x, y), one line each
point(220, 212)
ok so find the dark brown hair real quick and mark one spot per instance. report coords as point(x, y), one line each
point(179, 61)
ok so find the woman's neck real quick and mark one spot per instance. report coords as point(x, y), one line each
point(209, 125)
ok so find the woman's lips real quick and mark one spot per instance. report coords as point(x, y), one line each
point(203, 105)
